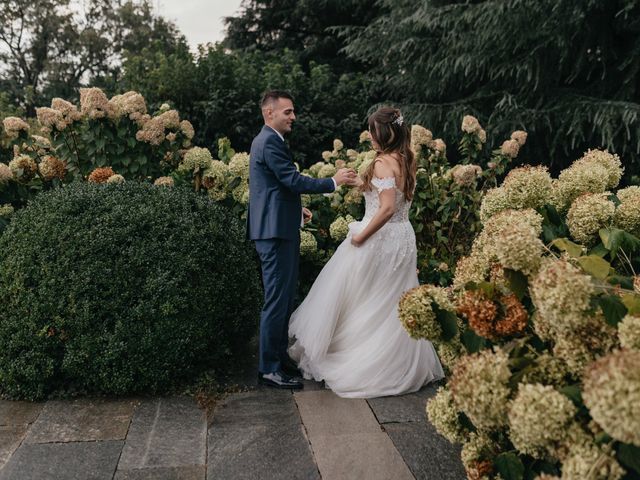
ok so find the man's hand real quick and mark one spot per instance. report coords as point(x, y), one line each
point(346, 176)
point(306, 215)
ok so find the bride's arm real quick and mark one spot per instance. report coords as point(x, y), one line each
point(385, 212)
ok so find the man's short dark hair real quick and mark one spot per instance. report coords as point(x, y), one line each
point(273, 95)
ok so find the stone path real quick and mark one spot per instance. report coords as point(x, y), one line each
point(258, 434)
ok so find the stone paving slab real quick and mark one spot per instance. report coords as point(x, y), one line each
point(429, 455)
point(370, 456)
point(258, 435)
point(11, 437)
point(260, 452)
point(82, 420)
point(19, 413)
point(165, 432)
point(263, 406)
point(324, 413)
point(404, 408)
point(346, 439)
point(196, 472)
point(63, 461)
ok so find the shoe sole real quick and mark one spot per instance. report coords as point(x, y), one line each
point(283, 387)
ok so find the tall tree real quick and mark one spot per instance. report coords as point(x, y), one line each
point(50, 47)
point(302, 26)
point(567, 71)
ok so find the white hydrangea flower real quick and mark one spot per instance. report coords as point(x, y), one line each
point(416, 312)
point(327, 171)
point(480, 387)
point(629, 332)
point(519, 248)
point(239, 165)
point(561, 293)
point(6, 210)
point(494, 201)
point(578, 179)
point(611, 392)
point(538, 419)
point(528, 187)
point(443, 415)
point(470, 124)
point(610, 162)
point(588, 214)
point(308, 243)
point(340, 228)
point(591, 462)
point(196, 159)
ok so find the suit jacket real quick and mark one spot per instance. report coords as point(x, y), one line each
point(275, 187)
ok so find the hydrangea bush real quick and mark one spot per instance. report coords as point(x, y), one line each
point(540, 329)
point(68, 142)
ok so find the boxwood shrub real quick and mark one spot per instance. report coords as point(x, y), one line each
point(120, 289)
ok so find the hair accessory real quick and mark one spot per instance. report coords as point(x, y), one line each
point(399, 120)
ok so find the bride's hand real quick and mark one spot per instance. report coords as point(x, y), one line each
point(356, 240)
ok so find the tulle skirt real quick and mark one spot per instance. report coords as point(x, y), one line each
point(347, 332)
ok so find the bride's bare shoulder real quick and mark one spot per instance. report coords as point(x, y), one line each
point(386, 166)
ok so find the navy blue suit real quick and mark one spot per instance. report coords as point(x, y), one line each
point(273, 222)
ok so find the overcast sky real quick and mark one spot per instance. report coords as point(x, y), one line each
point(199, 20)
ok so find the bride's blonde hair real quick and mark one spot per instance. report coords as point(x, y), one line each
point(388, 128)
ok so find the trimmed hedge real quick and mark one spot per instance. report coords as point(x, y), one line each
point(120, 289)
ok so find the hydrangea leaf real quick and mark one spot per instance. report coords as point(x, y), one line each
point(629, 456)
point(472, 342)
point(518, 282)
point(509, 466)
point(448, 322)
point(566, 245)
point(572, 392)
point(613, 308)
point(595, 266)
point(632, 302)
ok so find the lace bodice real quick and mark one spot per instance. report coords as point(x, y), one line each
point(372, 200)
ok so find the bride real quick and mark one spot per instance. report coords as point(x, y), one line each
point(346, 331)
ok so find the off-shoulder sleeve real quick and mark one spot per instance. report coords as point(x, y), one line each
point(383, 183)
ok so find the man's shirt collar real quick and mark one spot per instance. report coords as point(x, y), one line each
point(279, 134)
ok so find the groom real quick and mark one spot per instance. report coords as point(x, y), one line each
point(273, 222)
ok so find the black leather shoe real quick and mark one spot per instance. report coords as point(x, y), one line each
point(290, 368)
point(279, 380)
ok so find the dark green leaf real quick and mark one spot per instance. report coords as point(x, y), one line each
point(599, 250)
point(614, 239)
point(472, 342)
point(629, 456)
point(613, 308)
point(448, 322)
point(573, 393)
point(518, 282)
point(509, 466)
point(234, 183)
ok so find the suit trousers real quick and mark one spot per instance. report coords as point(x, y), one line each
point(280, 260)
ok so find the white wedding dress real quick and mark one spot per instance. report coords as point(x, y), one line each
point(347, 331)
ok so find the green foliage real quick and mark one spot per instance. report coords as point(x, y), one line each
point(125, 138)
point(121, 288)
point(219, 91)
point(51, 47)
point(303, 27)
point(445, 210)
point(567, 70)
